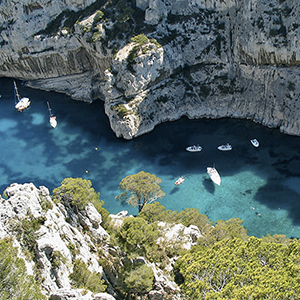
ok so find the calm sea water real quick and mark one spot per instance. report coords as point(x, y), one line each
point(259, 185)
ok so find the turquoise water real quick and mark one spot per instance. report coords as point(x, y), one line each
point(259, 185)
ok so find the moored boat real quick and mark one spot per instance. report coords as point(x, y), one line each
point(255, 143)
point(179, 181)
point(194, 148)
point(20, 103)
point(226, 147)
point(214, 175)
point(52, 119)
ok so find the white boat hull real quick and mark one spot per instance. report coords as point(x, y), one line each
point(214, 175)
point(255, 143)
point(53, 122)
point(227, 147)
point(194, 148)
point(22, 104)
point(179, 181)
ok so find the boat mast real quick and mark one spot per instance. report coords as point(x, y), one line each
point(17, 96)
point(49, 109)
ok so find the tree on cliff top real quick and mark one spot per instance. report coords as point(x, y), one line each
point(77, 193)
point(140, 189)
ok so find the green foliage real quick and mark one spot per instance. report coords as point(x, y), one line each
point(190, 216)
point(46, 205)
point(57, 259)
point(140, 39)
point(277, 238)
point(140, 189)
point(15, 283)
point(85, 279)
point(121, 110)
point(98, 16)
point(138, 237)
point(26, 231)
point(236, 269)
point(76, 192)
point(103, 212)
point(224, 230)
point(138, 280)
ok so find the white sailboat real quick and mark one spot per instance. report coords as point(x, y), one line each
point(52, 119)
point(20, 103)
point(214, 175)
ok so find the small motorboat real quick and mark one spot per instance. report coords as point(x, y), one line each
point(254, 142)
point(226, 147)
point(179, 181)
point(194, 148)
point(214, 175)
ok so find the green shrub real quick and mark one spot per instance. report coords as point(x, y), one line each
point(57, 259)
point(136, 281)
point(98, 16)
point(76, 192)
point(140, 39)
point(15, 283)
point(121, 110)
point(85, 279)
point(26, 231)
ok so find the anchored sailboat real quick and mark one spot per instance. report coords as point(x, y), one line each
point(20, 103)
point(52, 118)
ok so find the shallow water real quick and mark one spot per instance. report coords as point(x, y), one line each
point(259, 185)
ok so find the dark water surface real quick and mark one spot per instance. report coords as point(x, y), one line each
point(259, 185)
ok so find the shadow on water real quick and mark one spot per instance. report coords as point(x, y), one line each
point(209, 185)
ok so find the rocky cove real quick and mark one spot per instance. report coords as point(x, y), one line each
point(155, 61)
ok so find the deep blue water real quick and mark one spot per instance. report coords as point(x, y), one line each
point(259, 185)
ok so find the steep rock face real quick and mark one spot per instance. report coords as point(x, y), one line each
point(65, 235)
point(204, 58)
point(224, 58)
point(36, 46)
point(55, 238)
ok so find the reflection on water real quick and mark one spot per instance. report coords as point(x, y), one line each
point(259, 185)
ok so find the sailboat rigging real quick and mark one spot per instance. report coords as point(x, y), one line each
point(52, 118)
point(20, 103)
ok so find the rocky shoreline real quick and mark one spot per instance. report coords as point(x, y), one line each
point(200, 59)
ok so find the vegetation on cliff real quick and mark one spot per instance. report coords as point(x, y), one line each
point(15, 283)
point(237, 269)
point(223, 263)
point(140, 189)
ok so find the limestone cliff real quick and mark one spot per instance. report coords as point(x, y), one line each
point(157, 60)
point(52, 236)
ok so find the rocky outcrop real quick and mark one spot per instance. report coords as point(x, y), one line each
point(203, 58)
point(50, 236)
point(55, 239)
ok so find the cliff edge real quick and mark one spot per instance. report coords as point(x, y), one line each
point(152, 61)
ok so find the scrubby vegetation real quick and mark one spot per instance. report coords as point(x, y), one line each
point(15, 283)
point(77, 193)
point(224, 263)
point(237, 269)
point(85, 279)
